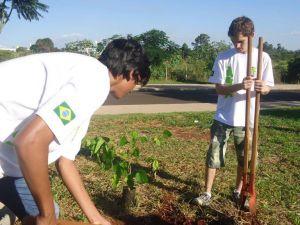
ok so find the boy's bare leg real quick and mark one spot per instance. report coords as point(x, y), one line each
point(239, 180)
point(209, 179)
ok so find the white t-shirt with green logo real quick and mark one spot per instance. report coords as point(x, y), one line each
point(64, 89)
point(230, 67)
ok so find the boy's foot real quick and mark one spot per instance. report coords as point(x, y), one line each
point(203, 199)
point(236, 197)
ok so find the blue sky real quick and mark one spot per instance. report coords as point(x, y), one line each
point(278, 21)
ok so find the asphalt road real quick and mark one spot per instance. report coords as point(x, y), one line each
point(167, 98)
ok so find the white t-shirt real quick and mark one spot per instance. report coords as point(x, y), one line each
point(230, 67)
point(64, 89)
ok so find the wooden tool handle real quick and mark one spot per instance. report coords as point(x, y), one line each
point(256, 116)
point(248, 102)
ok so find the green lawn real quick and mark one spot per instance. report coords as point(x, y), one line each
point(181, 176)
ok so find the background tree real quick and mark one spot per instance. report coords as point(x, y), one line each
point(6, 54)
point(281, 58)
point(185, 51)
point(100, 47)
point(203, 54)
point(157, 45)
point(22, 51)
point(171, 61)
point(159, 49)
point(27, 9)
point(86, 47)
point(43, 45)
point(294, 71)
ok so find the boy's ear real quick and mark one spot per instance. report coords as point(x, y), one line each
point(131, 74)
point(132, 77)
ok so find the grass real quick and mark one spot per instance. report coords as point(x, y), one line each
point(181, 176)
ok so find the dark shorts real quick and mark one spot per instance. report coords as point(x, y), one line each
point(220, 134)
point(15, 194)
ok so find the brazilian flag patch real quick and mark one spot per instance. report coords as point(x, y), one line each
point(65, 113)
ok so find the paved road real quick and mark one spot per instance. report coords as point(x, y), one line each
point(178, 98)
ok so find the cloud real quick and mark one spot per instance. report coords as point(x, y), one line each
point(295, 33)
point(71, 36)
point(66, 38)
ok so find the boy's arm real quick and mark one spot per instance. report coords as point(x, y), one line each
point(32, 149)
point(260, 86)
point(73, 182)
point(225, 89)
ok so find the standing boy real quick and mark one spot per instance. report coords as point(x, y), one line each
point(229, 75)
point(46, 103)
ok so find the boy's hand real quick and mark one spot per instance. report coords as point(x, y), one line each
point(247, 82)
point(46, 220)
point(261, 87)
point(38, 220)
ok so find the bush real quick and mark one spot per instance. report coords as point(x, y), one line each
point(294, 71)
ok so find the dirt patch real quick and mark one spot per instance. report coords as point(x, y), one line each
point(190, 134)
point(152, 123)
point(170, 213)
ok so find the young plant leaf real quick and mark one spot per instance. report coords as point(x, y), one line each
point(115, 181)
point(141, 177)
point(157, 141)
point(167, 134)
point(136, 152)
point(155, 165)
point(130, 181)
point(134, 135)
point(143, 139)
point(123, 141)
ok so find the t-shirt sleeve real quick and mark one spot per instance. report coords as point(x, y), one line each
point(70, 148)
point(73, 104)
point(217, 74)
point(267, 75)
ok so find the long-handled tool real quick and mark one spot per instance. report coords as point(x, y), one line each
point(252, 192)
point(250, 187)
point(247, 127)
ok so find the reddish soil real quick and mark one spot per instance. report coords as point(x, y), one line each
point(170, 214)
point(190, 134)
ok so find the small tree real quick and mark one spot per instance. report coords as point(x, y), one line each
point(121, 157)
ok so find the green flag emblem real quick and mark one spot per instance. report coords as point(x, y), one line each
point(65, 113)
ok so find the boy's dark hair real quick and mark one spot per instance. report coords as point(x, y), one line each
point(123, 55)
point(242, 25)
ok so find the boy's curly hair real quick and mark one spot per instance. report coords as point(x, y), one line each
point(121, 56)
point(242, 25)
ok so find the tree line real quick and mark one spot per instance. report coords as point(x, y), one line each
point(170, 61)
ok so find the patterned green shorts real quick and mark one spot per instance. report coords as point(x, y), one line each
point(220, 134)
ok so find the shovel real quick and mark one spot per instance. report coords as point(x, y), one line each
point(249, 187)
point(252, 199)
point(244, 190)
